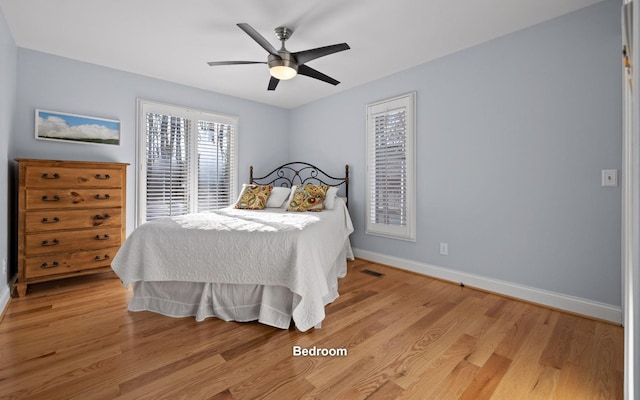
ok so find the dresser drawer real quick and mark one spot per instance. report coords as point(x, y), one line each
point(63, 263)
point(63, 241)
point(37, 199)
point(41, 221)
point(62, 177)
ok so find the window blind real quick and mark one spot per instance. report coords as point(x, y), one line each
point(389, 169)
point(215, 161)
point(390, 182)
point(188, 161)
point(167, 166)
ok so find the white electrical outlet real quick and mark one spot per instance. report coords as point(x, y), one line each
point(444, 249)
point(609, 177)
point(4, 266)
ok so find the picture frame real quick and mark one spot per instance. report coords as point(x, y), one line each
point(75, 128)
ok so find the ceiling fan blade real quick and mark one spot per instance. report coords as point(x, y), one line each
point(310, 72)
point(258, 38)
point(273, 82)
point(308, 55)
point(214, 63)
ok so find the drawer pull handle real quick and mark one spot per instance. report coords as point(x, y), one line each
point(103, 237)
point(46, 220)
point(105, 197)
point(47, 243)
point(47, 266)
point(98, 258)
point(103, 177)
point(98, 216)
point(54, 176)
point(54, 198)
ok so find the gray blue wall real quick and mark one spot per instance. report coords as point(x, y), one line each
point(8, 79)
point(512, 136)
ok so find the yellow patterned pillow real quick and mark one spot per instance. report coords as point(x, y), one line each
point(253, 197)
point(308, 198)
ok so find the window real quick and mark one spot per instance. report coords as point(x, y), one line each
point(390, 186)
point(186, 160)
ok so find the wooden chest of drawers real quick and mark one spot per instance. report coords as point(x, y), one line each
point(71, 218)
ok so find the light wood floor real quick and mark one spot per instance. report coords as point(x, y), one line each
point(407, 337)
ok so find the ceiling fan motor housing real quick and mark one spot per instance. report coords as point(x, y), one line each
point(285, 59)
point(283, 33)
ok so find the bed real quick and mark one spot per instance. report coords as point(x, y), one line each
point(271, 265)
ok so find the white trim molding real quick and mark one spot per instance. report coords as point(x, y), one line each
point(543, 297)
point(5, 296)
point(631, 198)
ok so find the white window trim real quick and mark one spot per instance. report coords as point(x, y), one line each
point(407, 232)
point(144, 106)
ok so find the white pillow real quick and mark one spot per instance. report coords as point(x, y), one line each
point(278, 196)
point(330, 198)
point(291, 192)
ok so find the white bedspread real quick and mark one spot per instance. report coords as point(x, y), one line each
point(267, 247)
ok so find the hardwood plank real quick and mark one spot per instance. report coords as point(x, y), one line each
point(545, 385)
point(605, 362)
point(443, 338)
point(486, 380)
point(406, 336)
point(224, 395)
point(175, 383)
point(448, 375)
point(524, 372)
point(388, 391)
point(492, 338)
point(529, 319)
point(557, 350)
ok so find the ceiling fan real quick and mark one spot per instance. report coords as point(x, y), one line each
point(283, 64)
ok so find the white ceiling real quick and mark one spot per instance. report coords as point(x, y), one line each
point(173, 40)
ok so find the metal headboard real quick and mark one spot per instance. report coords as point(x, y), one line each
point(301, 173)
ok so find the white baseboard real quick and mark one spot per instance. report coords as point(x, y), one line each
point(5, 295)
point(547, 298)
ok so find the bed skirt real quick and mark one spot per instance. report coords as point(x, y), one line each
point(269, 305)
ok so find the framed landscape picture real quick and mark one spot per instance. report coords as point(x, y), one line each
point(53, 125)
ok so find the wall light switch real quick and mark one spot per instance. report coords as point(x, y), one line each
point(609, 177)
point(444, 249)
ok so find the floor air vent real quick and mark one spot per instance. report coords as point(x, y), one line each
point(373, 273)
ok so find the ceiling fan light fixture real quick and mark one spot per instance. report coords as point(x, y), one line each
point(282, 67)
point(282, 72)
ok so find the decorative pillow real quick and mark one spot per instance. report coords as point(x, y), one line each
point(308, 198)
point(253, 197)
point(244, 185)
point(330, 198)
point(278, 196)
